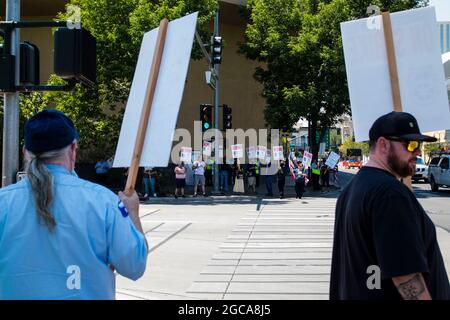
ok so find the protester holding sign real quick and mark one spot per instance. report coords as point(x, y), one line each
point(281, 177)
point(61, 236)
point(180, 179)
point(239, 178)
point(380, 224)
point(199, 167)
point(315, 175)
point(252, 169)
point(300, 180)
point(325, 176)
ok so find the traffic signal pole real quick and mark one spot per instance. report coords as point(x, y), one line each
point(10, 156)
point(216, 112)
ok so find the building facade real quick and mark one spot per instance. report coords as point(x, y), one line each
point(238, 88)
point(444, 33)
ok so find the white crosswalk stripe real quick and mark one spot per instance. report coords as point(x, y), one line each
point(281, 251)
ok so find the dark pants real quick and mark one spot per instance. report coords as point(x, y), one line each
point(223, 175)
point(269, 181)
point(281, 183)
point(326, 180)
point(300, 187)
point(315, 181)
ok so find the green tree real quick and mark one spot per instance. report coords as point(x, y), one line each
point(118, 27)
point(430, 147)
point(350, 144)
point(300, 46)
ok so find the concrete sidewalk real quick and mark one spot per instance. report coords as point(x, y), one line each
point(216, 248)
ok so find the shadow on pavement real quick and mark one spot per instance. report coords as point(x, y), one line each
point(441, 193)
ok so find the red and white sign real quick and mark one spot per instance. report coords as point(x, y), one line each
point(307, 158)
point(186, 154)
point(277, 153)
point(237, 150)
point(252, 153)
point(261, 152)
point(207, 147)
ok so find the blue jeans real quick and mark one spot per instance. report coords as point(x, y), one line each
point(149, 186)
point(223, 176)
point(269, 181)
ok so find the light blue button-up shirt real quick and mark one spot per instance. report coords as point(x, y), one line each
point(72, 262)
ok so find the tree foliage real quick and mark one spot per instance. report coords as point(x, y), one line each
point(118, 27)
point(430, 147)
point(300, 45)
point(350, 144)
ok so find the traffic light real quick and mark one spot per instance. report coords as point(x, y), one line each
point(354, 152)
point(29, 67)
point(75, 55)
point(206, 116)
point(7, 70)
point(227, 117)
point(216, 50)
point(29, 64)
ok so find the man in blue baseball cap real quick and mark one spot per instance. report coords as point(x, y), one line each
point(61, 237)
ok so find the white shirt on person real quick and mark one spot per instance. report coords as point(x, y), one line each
point(200, 170)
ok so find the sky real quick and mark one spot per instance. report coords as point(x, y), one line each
point(442, 9)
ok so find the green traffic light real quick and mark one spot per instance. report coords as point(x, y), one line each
point(206, 125)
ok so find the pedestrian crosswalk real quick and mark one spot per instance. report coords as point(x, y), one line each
point(158, 233)
point(281, 250)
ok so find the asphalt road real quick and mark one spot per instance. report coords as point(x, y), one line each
point(437, 204)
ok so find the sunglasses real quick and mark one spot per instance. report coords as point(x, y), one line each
point(411, 146)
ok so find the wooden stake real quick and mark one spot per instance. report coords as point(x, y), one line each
point(393, 72)
point(148, 101)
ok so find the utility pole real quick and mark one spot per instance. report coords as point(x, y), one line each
point(10, 163)
point(216, 112)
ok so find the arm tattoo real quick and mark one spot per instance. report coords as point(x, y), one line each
point(412, 289)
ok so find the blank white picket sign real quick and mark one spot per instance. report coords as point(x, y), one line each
point(421, 74)
point(167, 98)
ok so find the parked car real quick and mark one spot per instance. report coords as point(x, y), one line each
point(421, 171)
point(439, 171)
point(354, 164)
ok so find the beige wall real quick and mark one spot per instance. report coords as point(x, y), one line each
point(43, 38)
point(237, 86)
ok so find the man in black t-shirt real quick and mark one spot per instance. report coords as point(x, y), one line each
point(385, 244)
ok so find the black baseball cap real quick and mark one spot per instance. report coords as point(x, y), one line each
point(49, 130)
point(398, 124)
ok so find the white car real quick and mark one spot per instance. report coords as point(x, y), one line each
point(421, 171)
point(439, 171)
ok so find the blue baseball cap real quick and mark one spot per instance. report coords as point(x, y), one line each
point(49, 130)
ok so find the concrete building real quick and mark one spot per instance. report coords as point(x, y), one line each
point(444, 32)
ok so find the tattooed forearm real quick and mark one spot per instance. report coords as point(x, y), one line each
point(413, 288)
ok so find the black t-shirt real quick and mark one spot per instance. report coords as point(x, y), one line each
point(251, 170)
point(379, 222)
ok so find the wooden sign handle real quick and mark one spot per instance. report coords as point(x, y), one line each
point(147, 107)
point(393, 72)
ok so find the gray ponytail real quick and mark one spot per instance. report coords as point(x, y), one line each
point(41, 182)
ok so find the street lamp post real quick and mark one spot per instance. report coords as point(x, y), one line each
point(10, 163)
point(216, 112)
